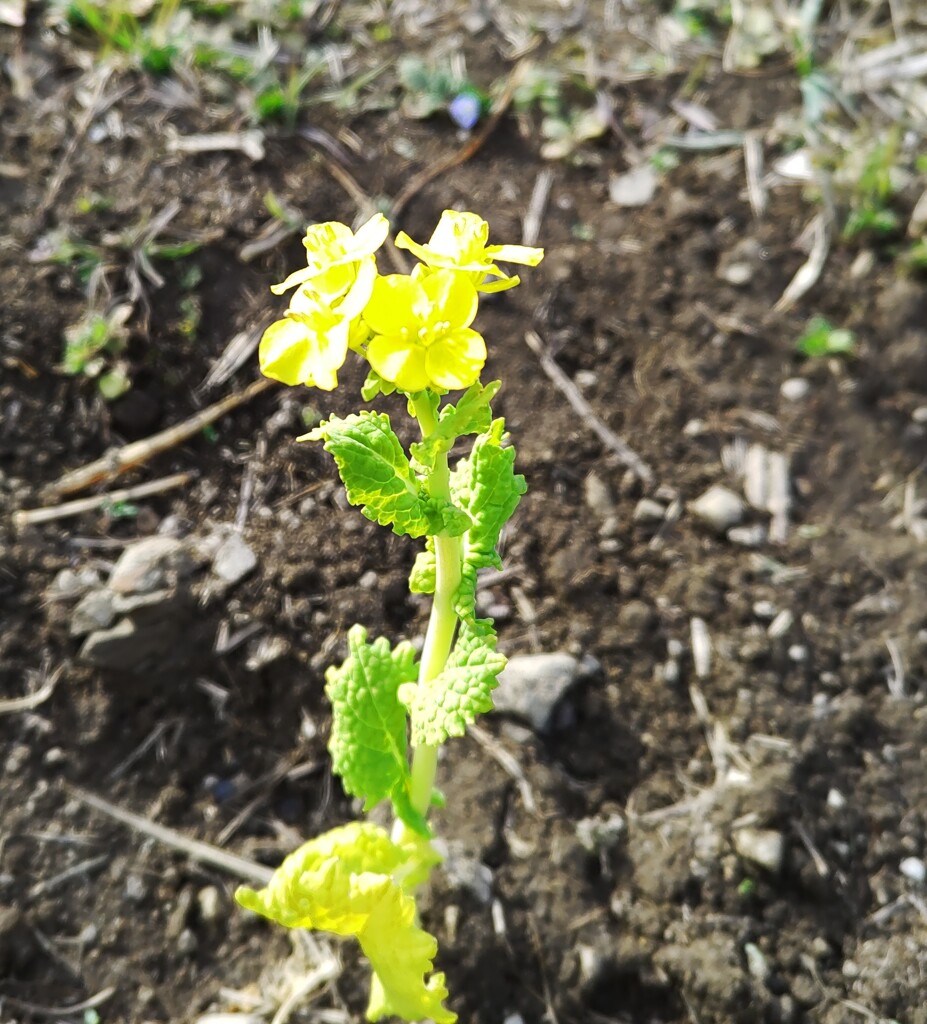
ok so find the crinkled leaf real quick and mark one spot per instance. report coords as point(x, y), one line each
point(343, 882)
point(488, 489)
point(450, 702)
point(471, 415)
point(422, 579)
point(376, 472)
point(368, 739)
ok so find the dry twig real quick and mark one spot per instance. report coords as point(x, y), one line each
point(240, 867)
point(625, 454)
point(135, 454)
point(33, 516)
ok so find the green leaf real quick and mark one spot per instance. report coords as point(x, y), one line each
point(368, 739)
point(471, 415)
point(423, 577)
point(821, 338)
point(351, 881)
point(488, 489)
point(450, 702)
point(376, 473)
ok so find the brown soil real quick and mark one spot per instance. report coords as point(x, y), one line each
point(669, 926)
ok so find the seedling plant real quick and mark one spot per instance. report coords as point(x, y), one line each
point(391, 710)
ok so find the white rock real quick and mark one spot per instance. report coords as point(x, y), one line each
point(914, 869)
point(209, 903)
point(234, 559)
point(747, 536)
point(598, 495)
point(836, 800)
point(762, 846)
point(634, 188)
point(94, 611)
point(146, 565)
point(532, 686)
point(649, 511)
point(795, 388)
point(719, 507)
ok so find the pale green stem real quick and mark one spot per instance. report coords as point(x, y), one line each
point(442, 625)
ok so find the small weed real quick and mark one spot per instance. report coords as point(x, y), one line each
point(821, 338)
point(92, 348)
point(873, 190)
point(430, 88)
point(149, 43)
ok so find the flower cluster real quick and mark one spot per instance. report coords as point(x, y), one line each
point(413, 329)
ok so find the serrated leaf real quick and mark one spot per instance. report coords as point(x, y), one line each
point(422, 579)
point(345, 882)
point(488, 489)
point(376, 472)
point(471, 415)
point(446, 705)
point(368, 738)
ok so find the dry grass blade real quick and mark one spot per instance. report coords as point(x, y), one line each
point(33, 516)
point(32, 700)
point(61, 1011)
point(508, 764)
point(625, 454)
point(235, 354)
point(251, 143)
point(240, 867)
point(119, 460)
point(531, 227)
point(808, 273)
point(753, 164)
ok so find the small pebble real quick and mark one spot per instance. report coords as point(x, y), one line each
point(795, 388)
point(598, 495)
point(135, 889)
point(649, 511)
point(234, 559)
point(765, 610)
point(781, 624)
point(747, 536)
point(585, 378)
point(369, 580)
point(798, 653)
point(914, 869)
point(762, 846)
point(719, 507)
point(186, 942)
point(920, 414)
point(836, 800)
point(208, 902)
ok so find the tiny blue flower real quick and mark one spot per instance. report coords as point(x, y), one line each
point(465, 110)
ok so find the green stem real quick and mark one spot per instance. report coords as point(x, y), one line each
point(442, 624)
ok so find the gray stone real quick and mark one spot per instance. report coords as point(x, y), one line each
point(719, 507)
point(747, 536)
point(209, 903)
point(532, 686)
point(153, 607)
point(69, 584)
point(233, 560)
point(94, 611)
point(598, 496)
point(150, 565)
point(128, 646)
point(649, 511)
point(468, 874)
point(795, 388)
point(762, 846)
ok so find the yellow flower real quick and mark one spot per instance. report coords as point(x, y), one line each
point(333, 256)
point(309, 345)
point(421, 331)
point(459, 242)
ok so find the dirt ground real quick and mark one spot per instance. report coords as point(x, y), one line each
point(805, 734)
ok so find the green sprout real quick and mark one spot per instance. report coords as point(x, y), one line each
point(873, 191)
point(821, 338)
point(119, 29)
point(92, 348)
point(392, 710)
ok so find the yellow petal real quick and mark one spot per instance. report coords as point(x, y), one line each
point(455, 361)
point(453, 298)
point(358, 295)
point(462, 236)
point(394, 304)
point(297, 277)
point(523, 254)
point(326, 239)
point(369, 236)
point(500, 284)
point(400, 361)
point(293, 352)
